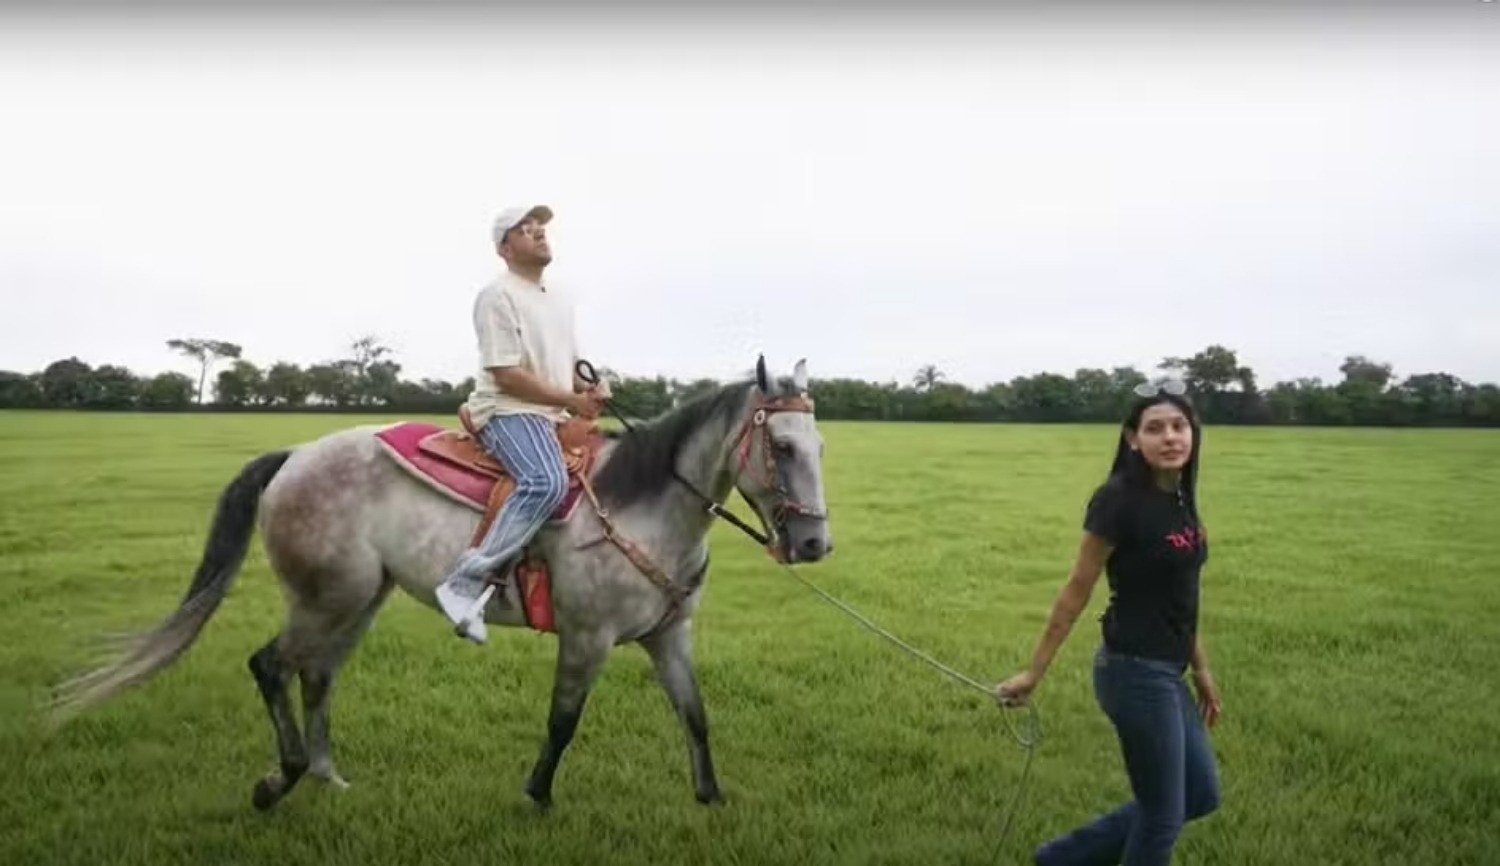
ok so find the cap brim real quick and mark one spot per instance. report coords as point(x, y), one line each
point(541, 213)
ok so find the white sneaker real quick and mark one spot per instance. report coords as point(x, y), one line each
point(459, 600)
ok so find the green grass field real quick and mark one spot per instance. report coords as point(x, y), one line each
point(1349, 614)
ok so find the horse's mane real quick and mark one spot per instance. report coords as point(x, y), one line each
point(641, 463)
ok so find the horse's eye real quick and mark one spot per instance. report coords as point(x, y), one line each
point(783, 448)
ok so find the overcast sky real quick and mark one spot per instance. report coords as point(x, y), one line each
point(996, 195)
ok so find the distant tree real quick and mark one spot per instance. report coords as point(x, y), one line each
point(167, 391)
point(205, 352)
point(641, 397)
point(1251, 405)
point(374, 374)
point(1306, 401)
point(998, 401)
point(947, 401)
point(1438, 398)
point(333, 383)
point(1123, 380)
point(926, 377)
point(380, 383)
point(1095, 394)
point(1483, 405)
point(851, 399)
point(114, 388)
point(19, 391)
point(285, 385)
point(1212, 369)
point(439, 389)
point(367, 350)
point(1045, 397)
point(241, 385)
point(1358, 368)
point(1225, 391)
point(67, 384)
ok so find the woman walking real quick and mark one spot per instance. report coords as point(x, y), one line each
point(1142, 527)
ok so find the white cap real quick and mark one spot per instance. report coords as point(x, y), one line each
point(514, 216)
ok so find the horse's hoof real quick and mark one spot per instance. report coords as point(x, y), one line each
point(541, 799)
point(265, 795)
point(330, 776)
point(710, 798)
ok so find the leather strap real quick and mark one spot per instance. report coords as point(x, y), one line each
point(643, 563)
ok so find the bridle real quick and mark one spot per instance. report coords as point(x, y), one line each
point(758, 422)
point(766, 474)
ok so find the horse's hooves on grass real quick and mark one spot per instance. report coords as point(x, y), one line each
point(333, 779)
point(710, 798)
point(265, 795)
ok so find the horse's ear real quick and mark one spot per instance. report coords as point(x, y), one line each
point(799, 375)
point(762, 380)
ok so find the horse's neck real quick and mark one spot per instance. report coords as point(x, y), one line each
point(704, 462)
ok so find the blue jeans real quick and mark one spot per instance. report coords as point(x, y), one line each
point(526, 445)
point(1167, 758)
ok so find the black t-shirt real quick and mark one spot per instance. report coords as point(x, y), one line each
point(1153, 569)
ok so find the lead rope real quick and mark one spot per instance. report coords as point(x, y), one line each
point(1031, 730)
point(1027, 738)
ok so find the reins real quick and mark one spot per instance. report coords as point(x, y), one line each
point(1030, 734)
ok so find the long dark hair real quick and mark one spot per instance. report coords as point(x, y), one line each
point(1130, 466)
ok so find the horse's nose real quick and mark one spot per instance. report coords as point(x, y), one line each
point(813, 548)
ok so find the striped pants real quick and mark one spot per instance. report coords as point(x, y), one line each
point(526, 445)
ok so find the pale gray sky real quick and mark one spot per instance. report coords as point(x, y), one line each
point(994, 195)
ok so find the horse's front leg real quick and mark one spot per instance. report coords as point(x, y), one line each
point(671, 653)
point(579, 657)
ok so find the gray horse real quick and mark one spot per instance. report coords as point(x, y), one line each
point(343, 523)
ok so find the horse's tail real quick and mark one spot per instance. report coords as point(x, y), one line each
point(142, 655)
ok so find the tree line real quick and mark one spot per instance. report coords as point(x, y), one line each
point(368, 380)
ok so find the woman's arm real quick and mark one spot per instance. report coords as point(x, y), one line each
point(1199, 660)
point(1072, 598)
point(1209, 705)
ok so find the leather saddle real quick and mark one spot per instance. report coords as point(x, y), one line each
point(579, 439)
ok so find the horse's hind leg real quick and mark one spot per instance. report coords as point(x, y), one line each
point(671, 654)
point(329, 609)
point(579, 658)
point(317, 683)
point(272, 673)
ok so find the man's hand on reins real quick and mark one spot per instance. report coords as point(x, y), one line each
point(586, 404)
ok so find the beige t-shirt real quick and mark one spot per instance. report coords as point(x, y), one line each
point(519, 323)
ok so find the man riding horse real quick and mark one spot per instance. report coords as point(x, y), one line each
point(352, 515)
point(526, 385)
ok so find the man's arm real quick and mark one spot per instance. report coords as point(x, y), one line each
point(524, 385)
point(498, 334)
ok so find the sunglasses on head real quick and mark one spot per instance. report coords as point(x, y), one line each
point(1174, 387)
